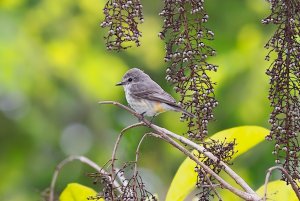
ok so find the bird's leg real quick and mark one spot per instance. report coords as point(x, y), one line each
point(142, 114)
point(142, 119)
point(152, 118)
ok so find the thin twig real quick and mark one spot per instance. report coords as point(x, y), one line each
point(123, 107)
point(113, 157)
point(137, 154)
point(286, 174)
point(212, 185)
point(139, 145)
point(84, 160)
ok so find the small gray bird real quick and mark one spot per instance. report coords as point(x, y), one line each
point(145, 96)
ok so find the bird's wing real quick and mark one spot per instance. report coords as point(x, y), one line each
point(154, 93)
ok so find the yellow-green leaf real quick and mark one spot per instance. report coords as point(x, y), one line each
point(185, 178)
point(184, 181)
point(278, 191)
point(77, 192)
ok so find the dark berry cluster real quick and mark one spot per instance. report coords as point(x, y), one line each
point(107, 186)
point(128, 190)
point(122, 18)
point(284, 72)
point(223, 151)
point(186, 54)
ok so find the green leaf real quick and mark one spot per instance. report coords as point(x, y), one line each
point(278, 191)
point(185, 178)
point(184, 181)
point(77, 192)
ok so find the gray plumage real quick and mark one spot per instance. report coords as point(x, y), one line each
point(139, 85)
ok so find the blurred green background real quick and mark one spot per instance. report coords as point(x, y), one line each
point(55, 68)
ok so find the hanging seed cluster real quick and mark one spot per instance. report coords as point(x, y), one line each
point(131, 189)
point(186, 54)
point(284, 75)
point(223, 151)
point(122, 18)
point(107, 187)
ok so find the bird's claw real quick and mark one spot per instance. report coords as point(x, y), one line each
point(142, 118)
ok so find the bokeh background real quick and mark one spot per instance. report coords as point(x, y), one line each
point(54, 68)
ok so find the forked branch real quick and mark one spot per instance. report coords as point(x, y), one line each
point(248, 194)
point(113, 157)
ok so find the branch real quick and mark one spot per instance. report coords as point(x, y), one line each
point(286, 174)
point(124, 107)
point(242, 194)
point(164, 133)
point(213, 187)
point(208, 154)
point(113, 157)
point(137, 115)
point(137, 155)
point(140, 143)
point(83, 160)
point(159, 136)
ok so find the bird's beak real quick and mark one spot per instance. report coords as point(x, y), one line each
point(120, 84)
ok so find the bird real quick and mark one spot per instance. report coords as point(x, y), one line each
point(146, 97)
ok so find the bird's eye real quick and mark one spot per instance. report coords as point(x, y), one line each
point(129, 79)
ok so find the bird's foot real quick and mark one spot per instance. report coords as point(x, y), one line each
point(151, 120)
point(142, 118)
point(146, 121)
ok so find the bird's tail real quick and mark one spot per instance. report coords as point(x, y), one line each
point(180, 109)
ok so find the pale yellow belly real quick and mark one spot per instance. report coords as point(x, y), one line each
point(146, 107)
